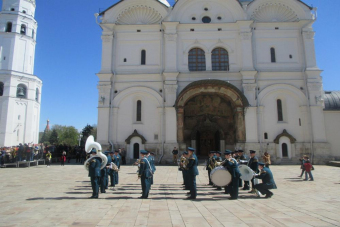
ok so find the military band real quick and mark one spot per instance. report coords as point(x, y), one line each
point(188, 165)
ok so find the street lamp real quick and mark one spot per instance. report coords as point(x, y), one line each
point(79, 139)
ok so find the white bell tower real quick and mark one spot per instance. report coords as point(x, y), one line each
point(20, 89)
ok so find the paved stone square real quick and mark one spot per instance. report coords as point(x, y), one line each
point(58, 196)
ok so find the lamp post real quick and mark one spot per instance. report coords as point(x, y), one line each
point(79, 139)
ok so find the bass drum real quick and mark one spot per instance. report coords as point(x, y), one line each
point(246, 172)
point(220, 176)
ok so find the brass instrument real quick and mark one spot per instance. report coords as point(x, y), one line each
point(114, 167)
point(183, 162)
point(89, 145)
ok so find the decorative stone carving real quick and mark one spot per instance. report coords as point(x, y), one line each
point(249, 87)
point(245, 35)
point(274, 12)
point(171, 89)
point(135, 134)
point(170, 37)
point(315, 87)
point(286, 134)
point(107, 38)
point(308, 35)
point(139, 14)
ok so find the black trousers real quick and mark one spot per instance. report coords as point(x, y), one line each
point(232, 188)
point(209, 171)
point(263, 188)
point(95, 186)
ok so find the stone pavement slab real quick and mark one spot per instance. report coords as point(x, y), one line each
point(58, 196)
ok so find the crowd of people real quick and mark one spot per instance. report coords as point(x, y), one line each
point(21, 152)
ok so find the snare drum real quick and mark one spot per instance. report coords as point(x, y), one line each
point(220, 176)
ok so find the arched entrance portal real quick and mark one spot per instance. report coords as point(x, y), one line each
point(210, 116)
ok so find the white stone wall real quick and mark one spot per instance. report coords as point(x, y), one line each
point(247, 33)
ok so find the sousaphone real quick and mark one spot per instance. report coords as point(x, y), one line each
point(89, 145)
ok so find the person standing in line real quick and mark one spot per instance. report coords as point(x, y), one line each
point(152, 163)
point(253, 164)
point(94, 174)
point(231, 165)
point(210, 165)
point(48, 158)
point(117, 159)
point(145, 174)
point(192, 172)
point(111, 171)
point(174, 155)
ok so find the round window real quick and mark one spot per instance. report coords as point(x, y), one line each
point(206, 19)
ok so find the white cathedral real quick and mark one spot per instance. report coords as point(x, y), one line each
point(215, 75)
point(20, 90)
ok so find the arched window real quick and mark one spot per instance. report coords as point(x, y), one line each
point(143, 57)
point(220, 59)
point(284, 150)
point(32, 33)
point(272, 54)
point(136, 151)
point(23, 29)
point(9, 27)
point(21, 91)
point(37, 94)
point(279, 110)
point(1, 89)
point(196, 60)
point(139, 111)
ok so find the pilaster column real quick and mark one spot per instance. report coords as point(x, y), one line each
point(170, 46)
point(208, 62)
point(240, 130)
point(306, 129)
point(245, 34)
point(249, 90)
point(107, 52)
point(180, 125)
point(308, 40)
point(260, 125)
point(114, 125)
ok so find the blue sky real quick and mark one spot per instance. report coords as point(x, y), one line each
point(68, 55)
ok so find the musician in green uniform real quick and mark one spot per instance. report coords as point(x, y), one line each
point(231, 165)
point(210, 165)
point(145, 174)
point(94, 173)
point(253, 164)
point(192, 172)
point(268, 182)
point(184, 162)
point(241, 160)
point(218, 161)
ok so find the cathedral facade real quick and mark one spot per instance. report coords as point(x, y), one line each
point(20, 89)
point(213, 75)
